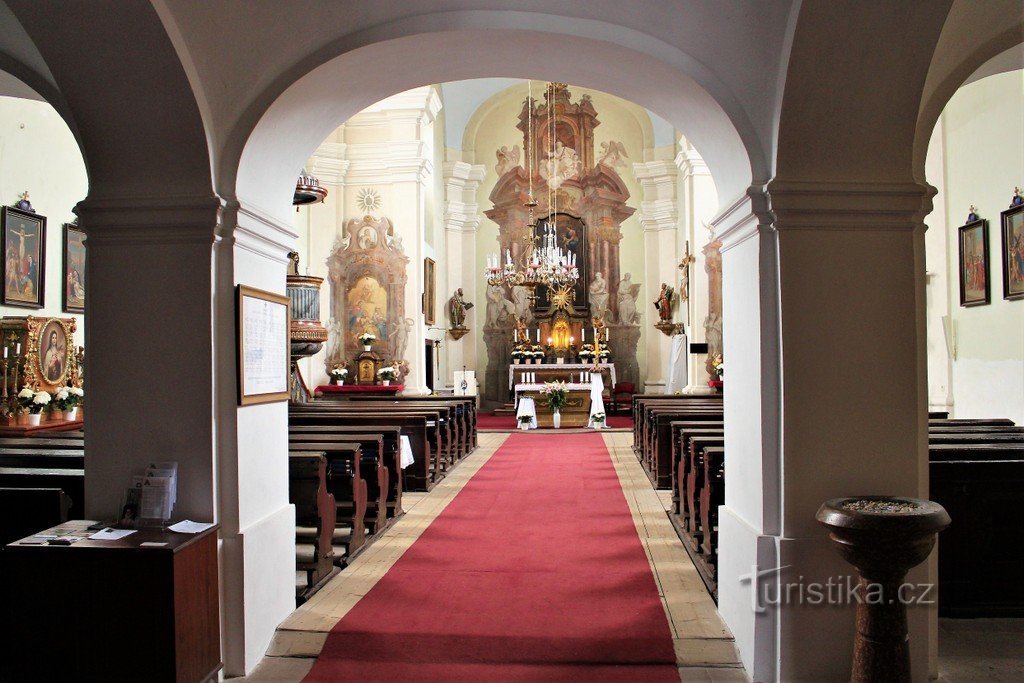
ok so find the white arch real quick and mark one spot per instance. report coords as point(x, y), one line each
point(310, 108)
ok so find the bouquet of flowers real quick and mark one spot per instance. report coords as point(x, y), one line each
point(525, 419)
point(557, 395)
point(517, 353)
point(68, 398)
point(33, 401)
point(587, 351)
point(366, 338)
point(605, 353)
point(339, 373)
point(716, 363)
point(537, 352)
point(388, 373)
point(598, 419)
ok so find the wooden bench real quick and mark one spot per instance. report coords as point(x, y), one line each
point(465, 407)
point(348, 486)
point(315, 518)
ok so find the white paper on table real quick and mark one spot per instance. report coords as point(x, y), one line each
point(187, 526)
point(111, 534)
point(406, 452)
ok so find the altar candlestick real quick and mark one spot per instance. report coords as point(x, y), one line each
point(515, 335)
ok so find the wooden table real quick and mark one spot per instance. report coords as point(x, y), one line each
point(575, 412)
point(112, 610)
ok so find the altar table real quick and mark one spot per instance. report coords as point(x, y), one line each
point(575, 413)
point(547, 372)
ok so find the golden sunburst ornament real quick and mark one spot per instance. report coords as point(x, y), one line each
point(562, 298)
point(368, 199)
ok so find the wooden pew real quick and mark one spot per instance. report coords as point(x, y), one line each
point(315, 518)
point(391, 444)
point(685, 433)
point(454, 432)
point(981, 485)
point(712, 495)
point(438, 430)
point(25, 511)
point(418, 477)
point(466, 409)
point(371, 466)
point(348, 486)
point(69, 480)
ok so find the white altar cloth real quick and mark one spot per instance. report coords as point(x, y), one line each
point(406, 452)
point(596, 400)
point(527, 406)
point(515, 372)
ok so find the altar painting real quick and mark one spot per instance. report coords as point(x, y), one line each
point(367, 304)
point(570, 235)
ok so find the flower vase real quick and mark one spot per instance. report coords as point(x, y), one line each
point(386, 382)
point(341, 382)
point(366, 347)
point(524, 426)
point(598, 425)
point(515, 361)
point(70, 414)
point(556, 419)
point(34, 419)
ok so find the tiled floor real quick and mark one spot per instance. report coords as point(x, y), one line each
point(981, 650)
point(704, 646)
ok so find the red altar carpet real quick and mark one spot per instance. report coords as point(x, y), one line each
point(533, 572)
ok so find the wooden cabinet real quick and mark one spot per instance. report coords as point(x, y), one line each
point(112, 610)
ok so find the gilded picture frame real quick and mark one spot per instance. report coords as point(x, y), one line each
point(24, 258)
point(975, 285)
point(73, 278)
point(264, 348)
point(429, 291)
point(1012, 234)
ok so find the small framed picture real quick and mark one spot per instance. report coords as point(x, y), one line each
point(975, 289)
point(429, 291)
point(24, 258)
point(74, 269)
point(263, 346)
point(1013, 252)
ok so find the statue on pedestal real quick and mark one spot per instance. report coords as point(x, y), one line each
point(664, 303)
point(457, 307)
point(598, 296)
point(627, 296)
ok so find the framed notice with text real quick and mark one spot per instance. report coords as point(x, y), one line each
point(263, 346)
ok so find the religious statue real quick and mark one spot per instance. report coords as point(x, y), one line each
point(598, 296)
point(293, 263)
point(521, 333)
point(627, 296)
point(457, 307)
point(612, 154)
point(507, 159)
point(498, 307)
point(664, 303)
point(561, 164)
point(713, 336)
point(400, 336)
point(521, 300)
point(684, 265)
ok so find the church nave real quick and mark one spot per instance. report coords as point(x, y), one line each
point(538, 570)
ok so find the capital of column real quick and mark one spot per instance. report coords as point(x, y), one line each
point(461, 181)
point(149, 220)
point(744, 218)
point(388, 162)
point(659, 209)
point(691, 163)
point(850, 205)
point(329, 163)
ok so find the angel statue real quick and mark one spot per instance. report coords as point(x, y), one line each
point(507, 159)
point(627, 294)
point(612, 154)
point(498, 307)
point(664, 303)
point(457, 307)
point(560, 164)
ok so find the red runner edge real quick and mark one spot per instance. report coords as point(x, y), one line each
point(533, 572)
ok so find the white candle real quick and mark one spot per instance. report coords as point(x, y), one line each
point(606, 334)
point(515, 335)
point(538, 335)
point(17, 351)
point(5, 352)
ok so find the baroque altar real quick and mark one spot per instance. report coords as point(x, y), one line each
point(581, 198)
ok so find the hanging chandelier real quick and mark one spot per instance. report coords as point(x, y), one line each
point(545, 263)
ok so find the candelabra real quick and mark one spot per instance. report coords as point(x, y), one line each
point(9, 396)
point(546, 264)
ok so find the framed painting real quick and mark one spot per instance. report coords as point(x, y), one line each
point(24, 258)
point(429, 291)
point(74, 269)
point(1013, 252)
point(975, 289)
point(263, 346)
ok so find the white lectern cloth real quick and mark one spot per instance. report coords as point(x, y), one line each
point(529, 408)
point(596, 400)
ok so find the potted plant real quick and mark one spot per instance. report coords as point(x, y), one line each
point(719, 370)
point(605, 354)
point(34, 402)
point(557, 396)
point(586, 353)
point(538, 355)
point(524, 421)
point(338, 375)
point(67, 400)
point(386, 374)
point(517, 355)
point(366, 338)
point(598, 420)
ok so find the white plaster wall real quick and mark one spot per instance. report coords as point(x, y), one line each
point(984, 159)
point(39, 154)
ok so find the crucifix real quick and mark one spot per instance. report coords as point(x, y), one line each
point(684, 265)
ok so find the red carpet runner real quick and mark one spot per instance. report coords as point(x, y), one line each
point(533, 572)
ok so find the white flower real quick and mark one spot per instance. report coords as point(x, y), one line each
point(62, 395)
point(76, 391)
point(26, 393)
point(41, 398)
